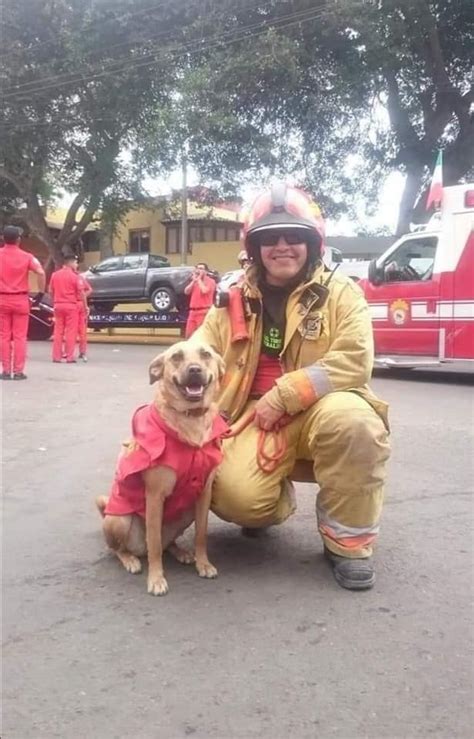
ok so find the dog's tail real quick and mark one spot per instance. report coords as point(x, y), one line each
point(101, 502)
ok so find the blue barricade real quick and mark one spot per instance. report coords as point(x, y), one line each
point(172, 319)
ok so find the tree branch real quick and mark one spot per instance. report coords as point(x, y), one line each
point(17, 182)
point(400, 121)
point(70, 221)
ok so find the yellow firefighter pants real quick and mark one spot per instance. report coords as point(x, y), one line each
point(348, 444)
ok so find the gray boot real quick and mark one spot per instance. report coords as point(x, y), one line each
point(353, 574)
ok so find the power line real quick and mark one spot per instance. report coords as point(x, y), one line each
point(183, 49)
point(93, 23)
point(152, 55)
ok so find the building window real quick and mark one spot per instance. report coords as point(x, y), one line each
point(221, 233)
point(173, 239)
point(233, 233)
point(208, 233)
point(139, 241)
point(90, 241)
point(195, 234)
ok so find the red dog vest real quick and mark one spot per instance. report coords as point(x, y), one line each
point(154, 443)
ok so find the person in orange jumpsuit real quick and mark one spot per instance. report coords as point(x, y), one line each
point(15, 266)
point(202, 289)
point(66, 291)
point(83, 314)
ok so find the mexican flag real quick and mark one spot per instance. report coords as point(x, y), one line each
point(435, 194)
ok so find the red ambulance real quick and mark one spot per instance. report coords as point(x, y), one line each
point(421, 290)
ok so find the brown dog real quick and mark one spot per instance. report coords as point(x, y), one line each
point(164, 476)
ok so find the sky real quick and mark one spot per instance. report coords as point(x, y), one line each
point(390, 195)
point(387, 215)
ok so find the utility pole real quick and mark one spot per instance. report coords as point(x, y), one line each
point(184, 211)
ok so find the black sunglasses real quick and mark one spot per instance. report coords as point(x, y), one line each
point(272, 236)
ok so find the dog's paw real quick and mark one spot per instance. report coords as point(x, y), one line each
point(182, 555)
point(131, 563)
point(157, 585)
point(206, 569)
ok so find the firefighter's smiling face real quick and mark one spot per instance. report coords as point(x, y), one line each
point(283, 261)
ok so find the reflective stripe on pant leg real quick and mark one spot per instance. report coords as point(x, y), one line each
point(245, 495)
point(349, 445)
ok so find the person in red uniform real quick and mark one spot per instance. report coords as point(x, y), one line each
point(83, 314)
point(15, 266)
point(202, 289)
point(66, 291)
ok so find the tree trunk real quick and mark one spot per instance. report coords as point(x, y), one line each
point(410, 193)
point(105, 240)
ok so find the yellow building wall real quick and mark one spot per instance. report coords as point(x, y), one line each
point(219, 255)
point(141, 219)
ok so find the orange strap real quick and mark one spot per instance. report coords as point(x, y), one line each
point(267, 461)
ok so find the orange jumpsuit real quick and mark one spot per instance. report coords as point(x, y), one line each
point(65, 288)
point(15, 264)
point(199, 304)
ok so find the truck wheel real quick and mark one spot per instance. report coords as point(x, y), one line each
point(103, 307)
point(163, 299)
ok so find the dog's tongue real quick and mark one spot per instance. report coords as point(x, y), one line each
point(195, 390)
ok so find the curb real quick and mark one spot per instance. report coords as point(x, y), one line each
point(157, 339)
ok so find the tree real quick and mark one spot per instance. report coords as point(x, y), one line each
point(347, 91)
point(83, 85)
point(337, 94)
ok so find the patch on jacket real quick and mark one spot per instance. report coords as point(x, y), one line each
point(311, 326)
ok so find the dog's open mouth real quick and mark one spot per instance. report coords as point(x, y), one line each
point(192, 388)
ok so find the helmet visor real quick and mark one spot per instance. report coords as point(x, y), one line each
point(290, 234)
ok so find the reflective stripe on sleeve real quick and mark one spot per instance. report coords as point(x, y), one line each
point(319, 379)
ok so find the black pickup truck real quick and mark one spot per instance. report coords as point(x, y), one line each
point(139, 278)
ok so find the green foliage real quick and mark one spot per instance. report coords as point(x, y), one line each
point(336, 93)
point(84, 84)
point(339, 94)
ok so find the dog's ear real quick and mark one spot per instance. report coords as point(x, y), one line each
point(156, 368)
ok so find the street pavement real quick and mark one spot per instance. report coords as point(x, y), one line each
point(273, 648)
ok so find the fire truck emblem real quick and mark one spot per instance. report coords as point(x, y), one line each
point(399, 312)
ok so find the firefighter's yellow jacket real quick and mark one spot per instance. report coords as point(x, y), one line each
point(328, 344)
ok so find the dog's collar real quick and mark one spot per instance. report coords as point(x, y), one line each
point(196, 412)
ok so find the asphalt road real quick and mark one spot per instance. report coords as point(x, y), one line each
point(273, 648)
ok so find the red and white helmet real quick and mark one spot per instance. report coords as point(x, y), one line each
point(284, 206)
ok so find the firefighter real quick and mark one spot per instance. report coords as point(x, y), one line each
point(83, 314)
point(202, 289)
point(66, 291)
point(302, 356)
point(15, 266)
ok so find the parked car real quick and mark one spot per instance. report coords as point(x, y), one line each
point(138, 278)
point(40, 325)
